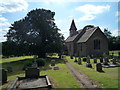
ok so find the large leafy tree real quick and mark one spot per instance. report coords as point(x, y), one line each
point(38, 32)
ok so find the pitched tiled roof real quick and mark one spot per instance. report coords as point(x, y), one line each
point(87, 35)
point(72, 38)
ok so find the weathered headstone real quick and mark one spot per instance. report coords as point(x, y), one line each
point(52, 62)
point(101, 60)
point(56, 68)
point(92, 56)
point(89, 65)
point(75, 59)
point(105, 61)
point(88, 59)
point(3, 78)
point(99, 67)
point(71, 57)
point(35, 64)
point(95, 60)
point(32, 72)
point(79, 61)
point(114, 61)
point(9, 69)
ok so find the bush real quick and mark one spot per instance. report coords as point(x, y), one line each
point(40, 62)
point(26, 65)
point(84, 59)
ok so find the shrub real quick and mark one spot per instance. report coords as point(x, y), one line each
point(27, 64)
point(40, 62)
point(84, 59)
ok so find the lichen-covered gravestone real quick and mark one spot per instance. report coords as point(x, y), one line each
point(32, 72)
point(99, 67)
point(52, 62)
point(3, 78)
point(79, 61)
point(95, 60)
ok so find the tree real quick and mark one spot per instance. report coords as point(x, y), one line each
point(38, 32)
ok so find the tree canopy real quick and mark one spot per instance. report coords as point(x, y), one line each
point(36, 32)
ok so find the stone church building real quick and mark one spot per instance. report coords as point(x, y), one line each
point(88, 41)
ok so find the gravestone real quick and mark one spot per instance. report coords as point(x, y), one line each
point(32, 72)
point(3, 78)
point(9, 69)
point(52, 62)
point(92, 56)
point(75, 59)
point(95, 60)
point(114, 61)
point(71, 57)
point(101, 60)
point(79, 61)
point(105, 61)
point(99, 67)
point(88, 59)
point(56, 68)
point(89, 65)
point(35, 65)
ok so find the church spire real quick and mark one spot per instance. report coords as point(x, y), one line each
point(72, 28)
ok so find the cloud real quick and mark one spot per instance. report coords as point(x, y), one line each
point(90, 11)
point(13, 5)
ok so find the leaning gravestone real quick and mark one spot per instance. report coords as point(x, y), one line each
point(79, 61)
point(56, 68)
point(52, 62)
point(101, 60)
point(99, 67)
point(32, 72)
point(95, 60)
point(3, 78)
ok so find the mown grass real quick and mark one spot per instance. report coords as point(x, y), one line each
point(12, 59)
point(62, 78)
point(108, 79)
point(115, 53)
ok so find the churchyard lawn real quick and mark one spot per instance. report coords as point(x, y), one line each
point(108, 79)
point(61, 78)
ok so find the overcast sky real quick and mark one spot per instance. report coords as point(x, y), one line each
point(102, 14)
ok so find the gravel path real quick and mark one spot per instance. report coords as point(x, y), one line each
point(82, 78)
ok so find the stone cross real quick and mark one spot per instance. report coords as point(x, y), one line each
point(79, 61)
point(99, 67)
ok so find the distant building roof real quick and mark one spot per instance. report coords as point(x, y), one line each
point(72, 38)
point(87, 35)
